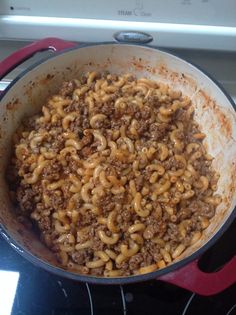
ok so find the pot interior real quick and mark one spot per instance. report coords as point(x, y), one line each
point(213, 111)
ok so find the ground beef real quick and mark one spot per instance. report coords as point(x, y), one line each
point(202, 208)
point(202, 167)
point(52, 170)
point(135, 261)
point(44, 223)
point(79, 124)
point(147, 257)
point(118, 165)
point(154, 226)
point(126, 215)
point(158, 131)
point(184, 213)
point(103, 124)
point(86, 219)
point(81, 256)
point(120, 198)
point(124, 219)
point(87, 139)
point(25, 197)
point(86, 152)
point(107, 109)
point(57, 145)
point(73, 166)
point(146, 112)
point(138, 115)
point(97, 244)
point(207, 210)
point(74, 106)
point(106, 203)
point(169, 164)
point(154, 250)
point(56, 199)
point(69, 168)
point(85, 123)
point(172, 231)
point(107, 207)
point(153, 101)
point(67, 88)
point(143, 127)
point(75, 125)
point(92, 234)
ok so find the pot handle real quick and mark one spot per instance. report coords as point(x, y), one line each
point(50, 43)
point(190, 277)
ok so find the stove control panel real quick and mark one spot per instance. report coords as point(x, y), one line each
point(201, 24)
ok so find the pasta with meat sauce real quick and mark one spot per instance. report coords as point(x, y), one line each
point(114, 175)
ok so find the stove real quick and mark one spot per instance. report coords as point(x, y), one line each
point(28, 290)
point(38, 292)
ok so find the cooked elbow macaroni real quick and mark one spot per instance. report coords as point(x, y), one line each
point(114, 172)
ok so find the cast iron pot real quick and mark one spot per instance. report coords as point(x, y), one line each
point(214, 111)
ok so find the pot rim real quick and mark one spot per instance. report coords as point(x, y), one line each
point(133, 278)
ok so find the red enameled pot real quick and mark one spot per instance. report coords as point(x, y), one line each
point(214, 111)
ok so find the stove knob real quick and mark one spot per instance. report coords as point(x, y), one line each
point(133, 37)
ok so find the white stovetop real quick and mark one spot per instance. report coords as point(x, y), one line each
point(221, 65)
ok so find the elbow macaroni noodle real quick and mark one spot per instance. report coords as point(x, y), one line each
point(115, 174)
